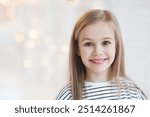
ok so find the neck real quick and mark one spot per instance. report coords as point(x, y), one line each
point(98, 77)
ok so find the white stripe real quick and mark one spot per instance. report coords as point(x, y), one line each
point(106, 91)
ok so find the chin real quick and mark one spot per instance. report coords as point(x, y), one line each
point(99, 71)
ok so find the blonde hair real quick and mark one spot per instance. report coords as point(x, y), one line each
point(76, 66)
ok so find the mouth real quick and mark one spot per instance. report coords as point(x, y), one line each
point(98, 61)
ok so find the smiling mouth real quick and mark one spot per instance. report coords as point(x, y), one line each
point(98, 61)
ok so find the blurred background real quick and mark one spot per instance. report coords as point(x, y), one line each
point(35, 36)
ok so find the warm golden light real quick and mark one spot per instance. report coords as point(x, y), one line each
point(73, 3)
point(31, 44)
point(20, 38)
point(5, 2)
point(65, 49)
point(10, 12)
point(33, 34)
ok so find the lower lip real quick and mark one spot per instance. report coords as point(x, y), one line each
point(98, 61)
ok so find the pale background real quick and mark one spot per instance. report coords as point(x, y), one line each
point(34, 41)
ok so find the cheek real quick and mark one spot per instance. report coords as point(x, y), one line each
point(112, 52)
point(83, 53)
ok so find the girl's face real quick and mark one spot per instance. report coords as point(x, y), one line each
point(97, 47)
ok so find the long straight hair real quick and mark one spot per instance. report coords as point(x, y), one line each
point(77, 70)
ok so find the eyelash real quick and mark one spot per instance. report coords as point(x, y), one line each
point(88, 44)
point(104, 43)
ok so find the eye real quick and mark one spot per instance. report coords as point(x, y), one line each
point(106, 42)
point(88, 44)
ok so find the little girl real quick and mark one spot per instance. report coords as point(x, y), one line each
point(96, 61)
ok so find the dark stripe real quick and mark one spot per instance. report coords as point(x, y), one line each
point(101, 94)
point(128, 91)
point(64, 91)
point(104, 97)
point(102, 87)
point(66, 95)
point(86, 93)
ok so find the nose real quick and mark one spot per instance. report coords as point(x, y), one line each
point(98, 50)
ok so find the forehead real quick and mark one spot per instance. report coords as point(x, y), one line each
point(97, 30)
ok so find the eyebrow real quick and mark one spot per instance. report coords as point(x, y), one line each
point(89, 39)
point(107, 38)
point(86, 39)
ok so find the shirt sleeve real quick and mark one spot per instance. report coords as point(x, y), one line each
point(65, 93)
point(141, 95)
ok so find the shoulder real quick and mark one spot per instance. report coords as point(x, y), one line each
point(65, 93)
point(125, 81)
point(131, 88)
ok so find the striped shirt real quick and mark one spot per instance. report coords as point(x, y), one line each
point(106, 91)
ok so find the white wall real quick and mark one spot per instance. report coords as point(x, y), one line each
point(36, 67)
